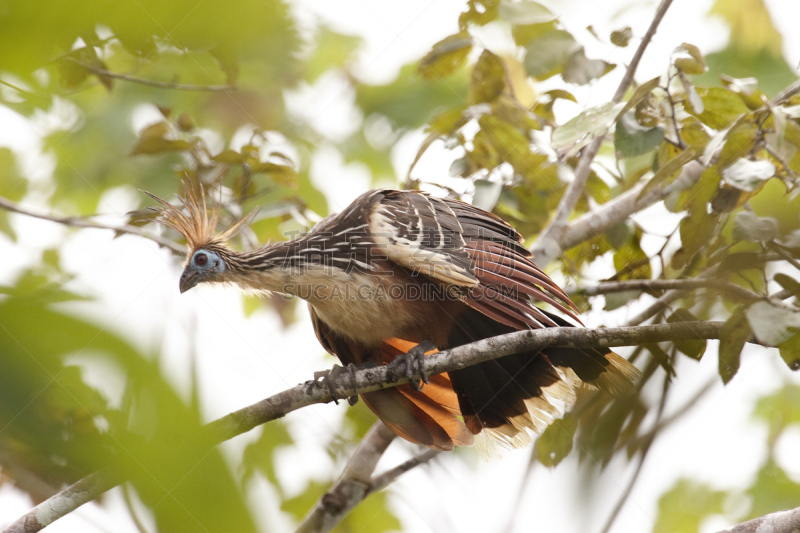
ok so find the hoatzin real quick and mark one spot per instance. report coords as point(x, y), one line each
point(402, 272)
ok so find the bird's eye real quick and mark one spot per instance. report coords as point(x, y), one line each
point(200, 259)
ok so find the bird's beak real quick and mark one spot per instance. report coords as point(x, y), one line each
point(189, 279)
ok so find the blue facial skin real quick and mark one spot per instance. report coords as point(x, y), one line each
point(204, 266)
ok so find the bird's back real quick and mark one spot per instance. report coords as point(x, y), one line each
point(453, 274)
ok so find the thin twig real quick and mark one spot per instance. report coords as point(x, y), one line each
point(640, 440)
point(720, 285)
point(372, 379)
point(547, 245)
point(645, 449)
point(787, 93)
point(622, 207)
point(78, 222)
point(353, 485)
point(158, 84)
point(382, 481)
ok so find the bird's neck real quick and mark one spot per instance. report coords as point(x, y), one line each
point(296, 268)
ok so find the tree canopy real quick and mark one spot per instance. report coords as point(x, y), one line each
point(670, 202)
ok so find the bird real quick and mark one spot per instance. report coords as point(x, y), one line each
point(399, 274)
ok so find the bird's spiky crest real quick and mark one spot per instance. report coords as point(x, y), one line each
point(199, 222)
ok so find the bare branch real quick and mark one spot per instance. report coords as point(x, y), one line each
point(787, 93)
point(721, 285)
point(77, 222)
point(620, 209)
point(380, 482)
point(547, 245)
point(66, 501)
point(354, 484)
point(780, 522)
point(158, 84)
point(371, 379)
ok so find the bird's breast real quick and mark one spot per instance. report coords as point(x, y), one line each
point(370, 308)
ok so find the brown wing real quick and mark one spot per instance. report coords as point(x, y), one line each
point(463, 245)
point(429, 416)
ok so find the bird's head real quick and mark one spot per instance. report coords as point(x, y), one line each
point(202, 266)
point(208, 259)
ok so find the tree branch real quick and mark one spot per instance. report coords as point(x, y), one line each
point(77, 222)
point(382, 481)
point(547, 246)
point(780, 522)
point(371, 379)
point(721, 285)
point(621, 208)
point(353, 486)
point(158, 84)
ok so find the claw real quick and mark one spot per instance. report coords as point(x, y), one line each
point(413, 363)
point(326, 377)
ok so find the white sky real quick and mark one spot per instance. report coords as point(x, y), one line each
point(242, 360)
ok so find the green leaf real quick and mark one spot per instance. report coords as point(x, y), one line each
point(748, 175)
point(696, 231)
point(720, 107)
point(546, 56)
point(525, 12)
point(738, 142)
point(750, 227)
point(578, 131)
point(788, 283)
point(632, 139)
point(689, 59)
point(790, 352)
point(772, 325)
point(639, 94)
point(686, 506)
point(259, 456)
point(152, 140)
point(773, 490)
point(229, 156)
point(669, 172)
point(581, 70)
point(480, 12)
point(735, 333)
point(631, 262)
point(691, 93)
point(692, 348)
point(779, 410)
point(555, 443)
point(615, 300)
point(488, 79)
point(446, 56)
point(332, 50)
point(621, 37)
point(410, 101)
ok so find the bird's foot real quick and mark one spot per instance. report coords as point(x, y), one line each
point(411, 365)
point(326, 377)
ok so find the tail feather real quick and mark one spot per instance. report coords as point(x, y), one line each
point(509, 398)
point(429, 416)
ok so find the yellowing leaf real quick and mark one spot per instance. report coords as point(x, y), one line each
point(488, 79)
point(594, 121)
point(735, 333)
point(525, 12)
point(581, 70)
point(446, 56)
point(556, 441)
